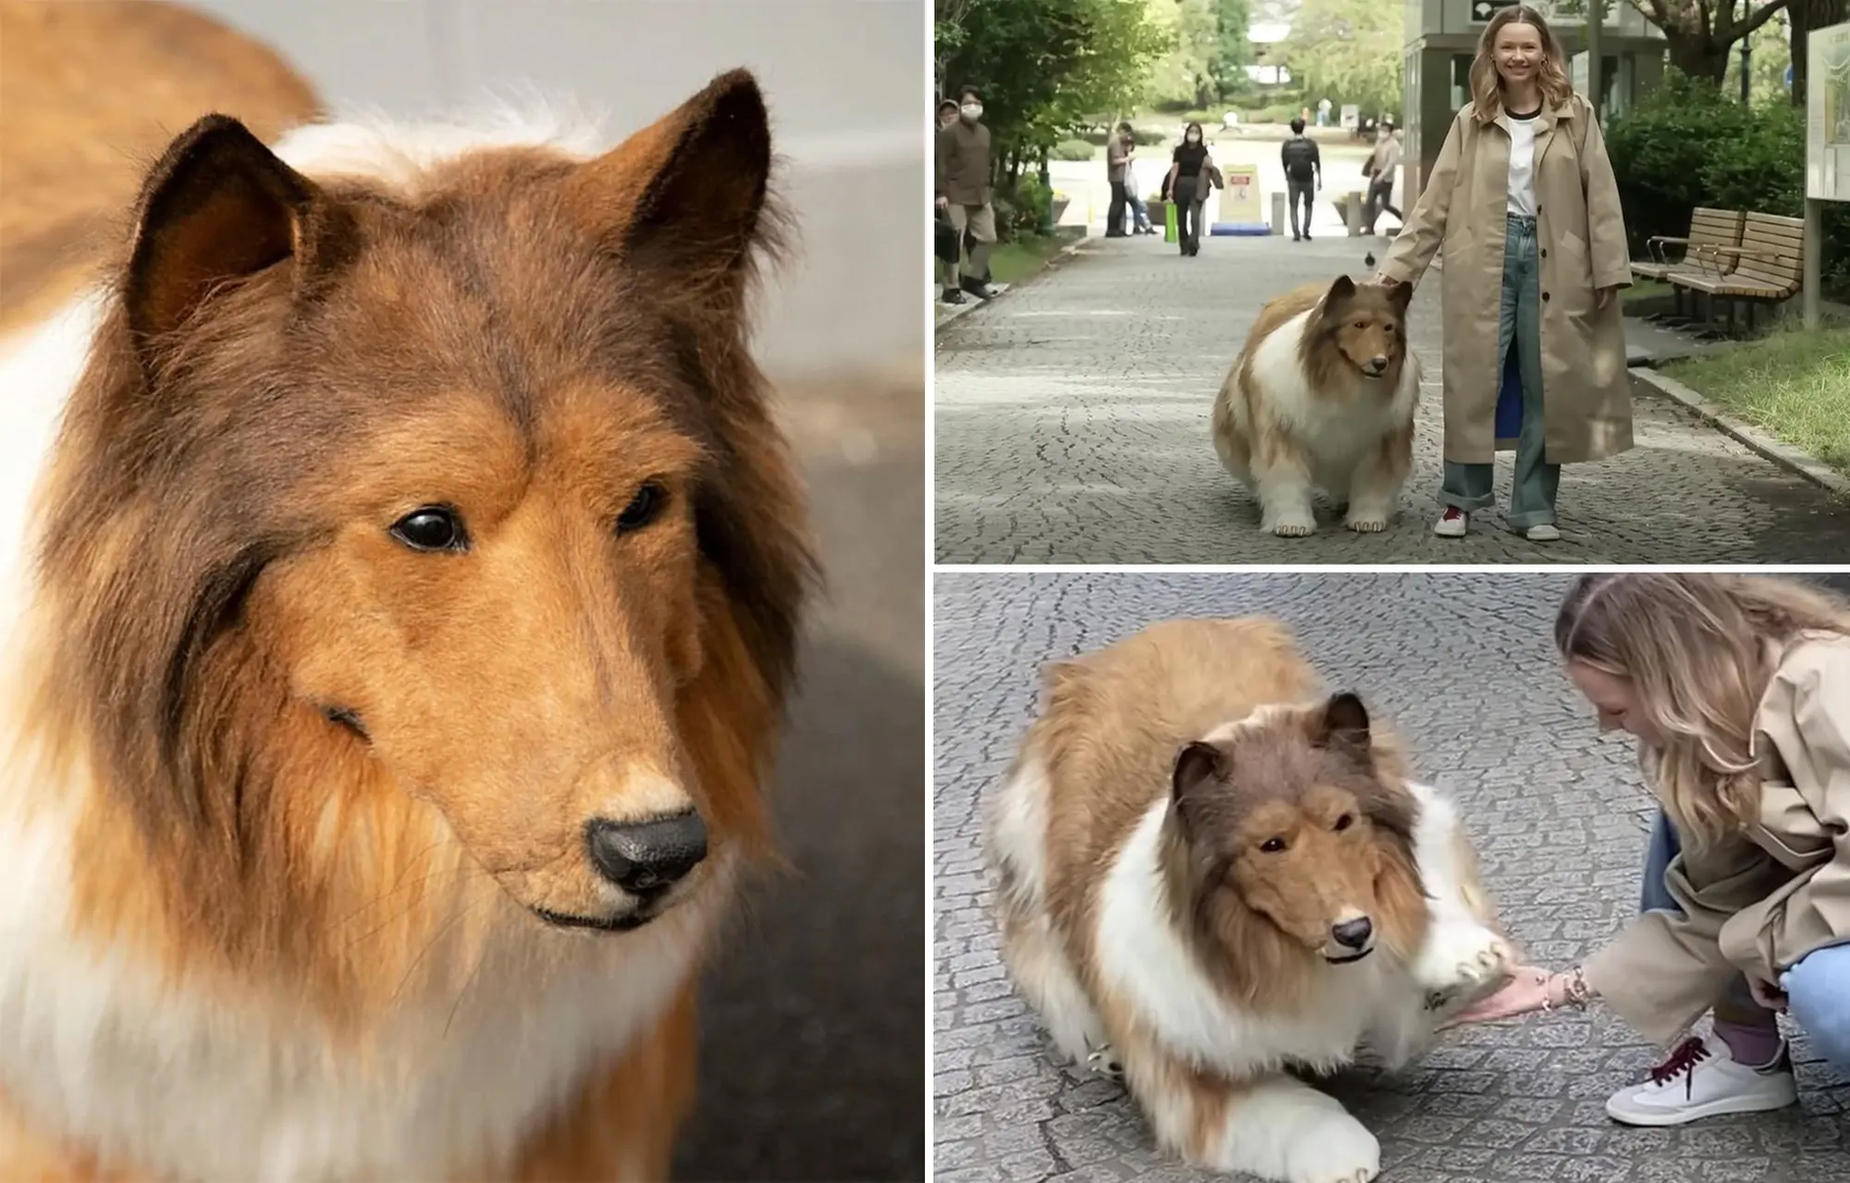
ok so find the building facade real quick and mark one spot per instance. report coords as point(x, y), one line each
point(1441, 40)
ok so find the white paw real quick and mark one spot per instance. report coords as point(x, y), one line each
point(1291, 525)
point(1370, 524)
point(1338, 1149)
point(1462, 961)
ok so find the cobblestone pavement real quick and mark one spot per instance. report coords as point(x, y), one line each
point(1072, 426)
point(1461, 665)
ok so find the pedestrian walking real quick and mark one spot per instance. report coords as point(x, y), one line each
point(947, 241)
point(1303, 177)
point(1118, 151)
point(1738, 691)
point(1380, 168)
point(963, 192)
point(1140, 210)
point(1187, 186)
point(1523, 201)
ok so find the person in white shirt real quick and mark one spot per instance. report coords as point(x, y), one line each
point(1523, 200)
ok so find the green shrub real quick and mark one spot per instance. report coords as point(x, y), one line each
point(1689, 144)
point(1019, 212)
point(1073, 150)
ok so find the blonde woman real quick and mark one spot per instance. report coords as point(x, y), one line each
point(1738, 690)
point(1523, 207)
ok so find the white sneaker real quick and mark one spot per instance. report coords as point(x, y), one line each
point(1546, 532)
point(1700, 1080)
point(1452, 523)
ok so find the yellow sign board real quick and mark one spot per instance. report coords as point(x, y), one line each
point(1240, 204)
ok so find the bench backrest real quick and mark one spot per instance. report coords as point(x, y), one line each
point(1715, 227)
point(1778, 246)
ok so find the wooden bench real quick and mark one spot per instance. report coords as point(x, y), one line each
point(1707, 228)
point(1769, 266)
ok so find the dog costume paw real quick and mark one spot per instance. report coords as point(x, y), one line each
point(1462, 962)
point(1339, 1150)
point(1367, 525)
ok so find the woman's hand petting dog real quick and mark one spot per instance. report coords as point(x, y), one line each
point(1527, 990)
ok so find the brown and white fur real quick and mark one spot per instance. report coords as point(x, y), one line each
point(297, 869)
point(1188, 845)
point(1322, 396)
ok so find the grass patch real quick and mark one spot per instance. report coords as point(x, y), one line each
point(1015, 261)
point(1794, 384)
point(1643, 289)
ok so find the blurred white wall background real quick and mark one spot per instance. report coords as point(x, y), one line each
point(846, 81)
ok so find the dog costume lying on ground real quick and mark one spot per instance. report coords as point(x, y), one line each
point(1217, 874)
point(1323, 397)
point(402, 574)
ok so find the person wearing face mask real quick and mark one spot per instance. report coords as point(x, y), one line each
point(1738, 691)
point(1187, 186)
point(948, 243)
point(1523, 203)
point(962, 176)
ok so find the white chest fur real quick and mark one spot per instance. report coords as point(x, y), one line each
point(96, 1046)
point(1145, 962)
point(1332, 426)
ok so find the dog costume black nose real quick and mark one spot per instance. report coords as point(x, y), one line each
point(1353, 934)
point(647, 856)
point(1377, 364)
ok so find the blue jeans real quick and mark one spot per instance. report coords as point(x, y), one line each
point(1817, 986)
point(1519, 327)
point(1139, 210)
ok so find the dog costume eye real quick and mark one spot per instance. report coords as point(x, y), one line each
point(644, 507)
point(1345, 821)
point(1272, 845)
point(431, 527)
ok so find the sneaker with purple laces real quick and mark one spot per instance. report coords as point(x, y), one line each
point(1700, 1079)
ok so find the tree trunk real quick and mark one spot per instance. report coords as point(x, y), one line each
point(1807, 15)
point(1697, 55)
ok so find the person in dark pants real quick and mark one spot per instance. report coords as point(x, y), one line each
point(1185, 186)
point(1381, 166)
point(1117, 164)
point(1303, 176)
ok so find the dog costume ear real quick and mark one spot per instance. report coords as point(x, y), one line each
point(1195, 765)
point(1343, 724)
point(1340, 289)
point(217, 208)
point(686, 196)
point(1400, 295)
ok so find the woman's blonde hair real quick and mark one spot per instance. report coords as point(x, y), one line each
point(1699, 651)
point(1487, 84)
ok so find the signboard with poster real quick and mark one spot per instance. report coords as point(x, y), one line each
point(1827, 115)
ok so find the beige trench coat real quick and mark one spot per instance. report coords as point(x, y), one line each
point(1580, 234)
point(1761, 900)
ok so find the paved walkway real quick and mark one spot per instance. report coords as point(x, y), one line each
point(1072, 426)
point(1460, 664)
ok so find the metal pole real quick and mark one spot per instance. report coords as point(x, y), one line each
point(1047, 188)
point(1596, 16)
point(1747, 56)
point(1813, 275)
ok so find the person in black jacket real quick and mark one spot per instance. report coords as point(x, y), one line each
point(1187, 186)
point(1303, 175)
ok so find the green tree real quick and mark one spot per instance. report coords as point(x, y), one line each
point(1348, 51)
point(1044, 66)
point(1232, 51)
point(1699, 33)
point(1208, 50)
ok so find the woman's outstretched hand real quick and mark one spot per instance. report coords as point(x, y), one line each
point(1527, 990)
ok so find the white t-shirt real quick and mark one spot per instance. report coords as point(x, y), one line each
point(1522, 164)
